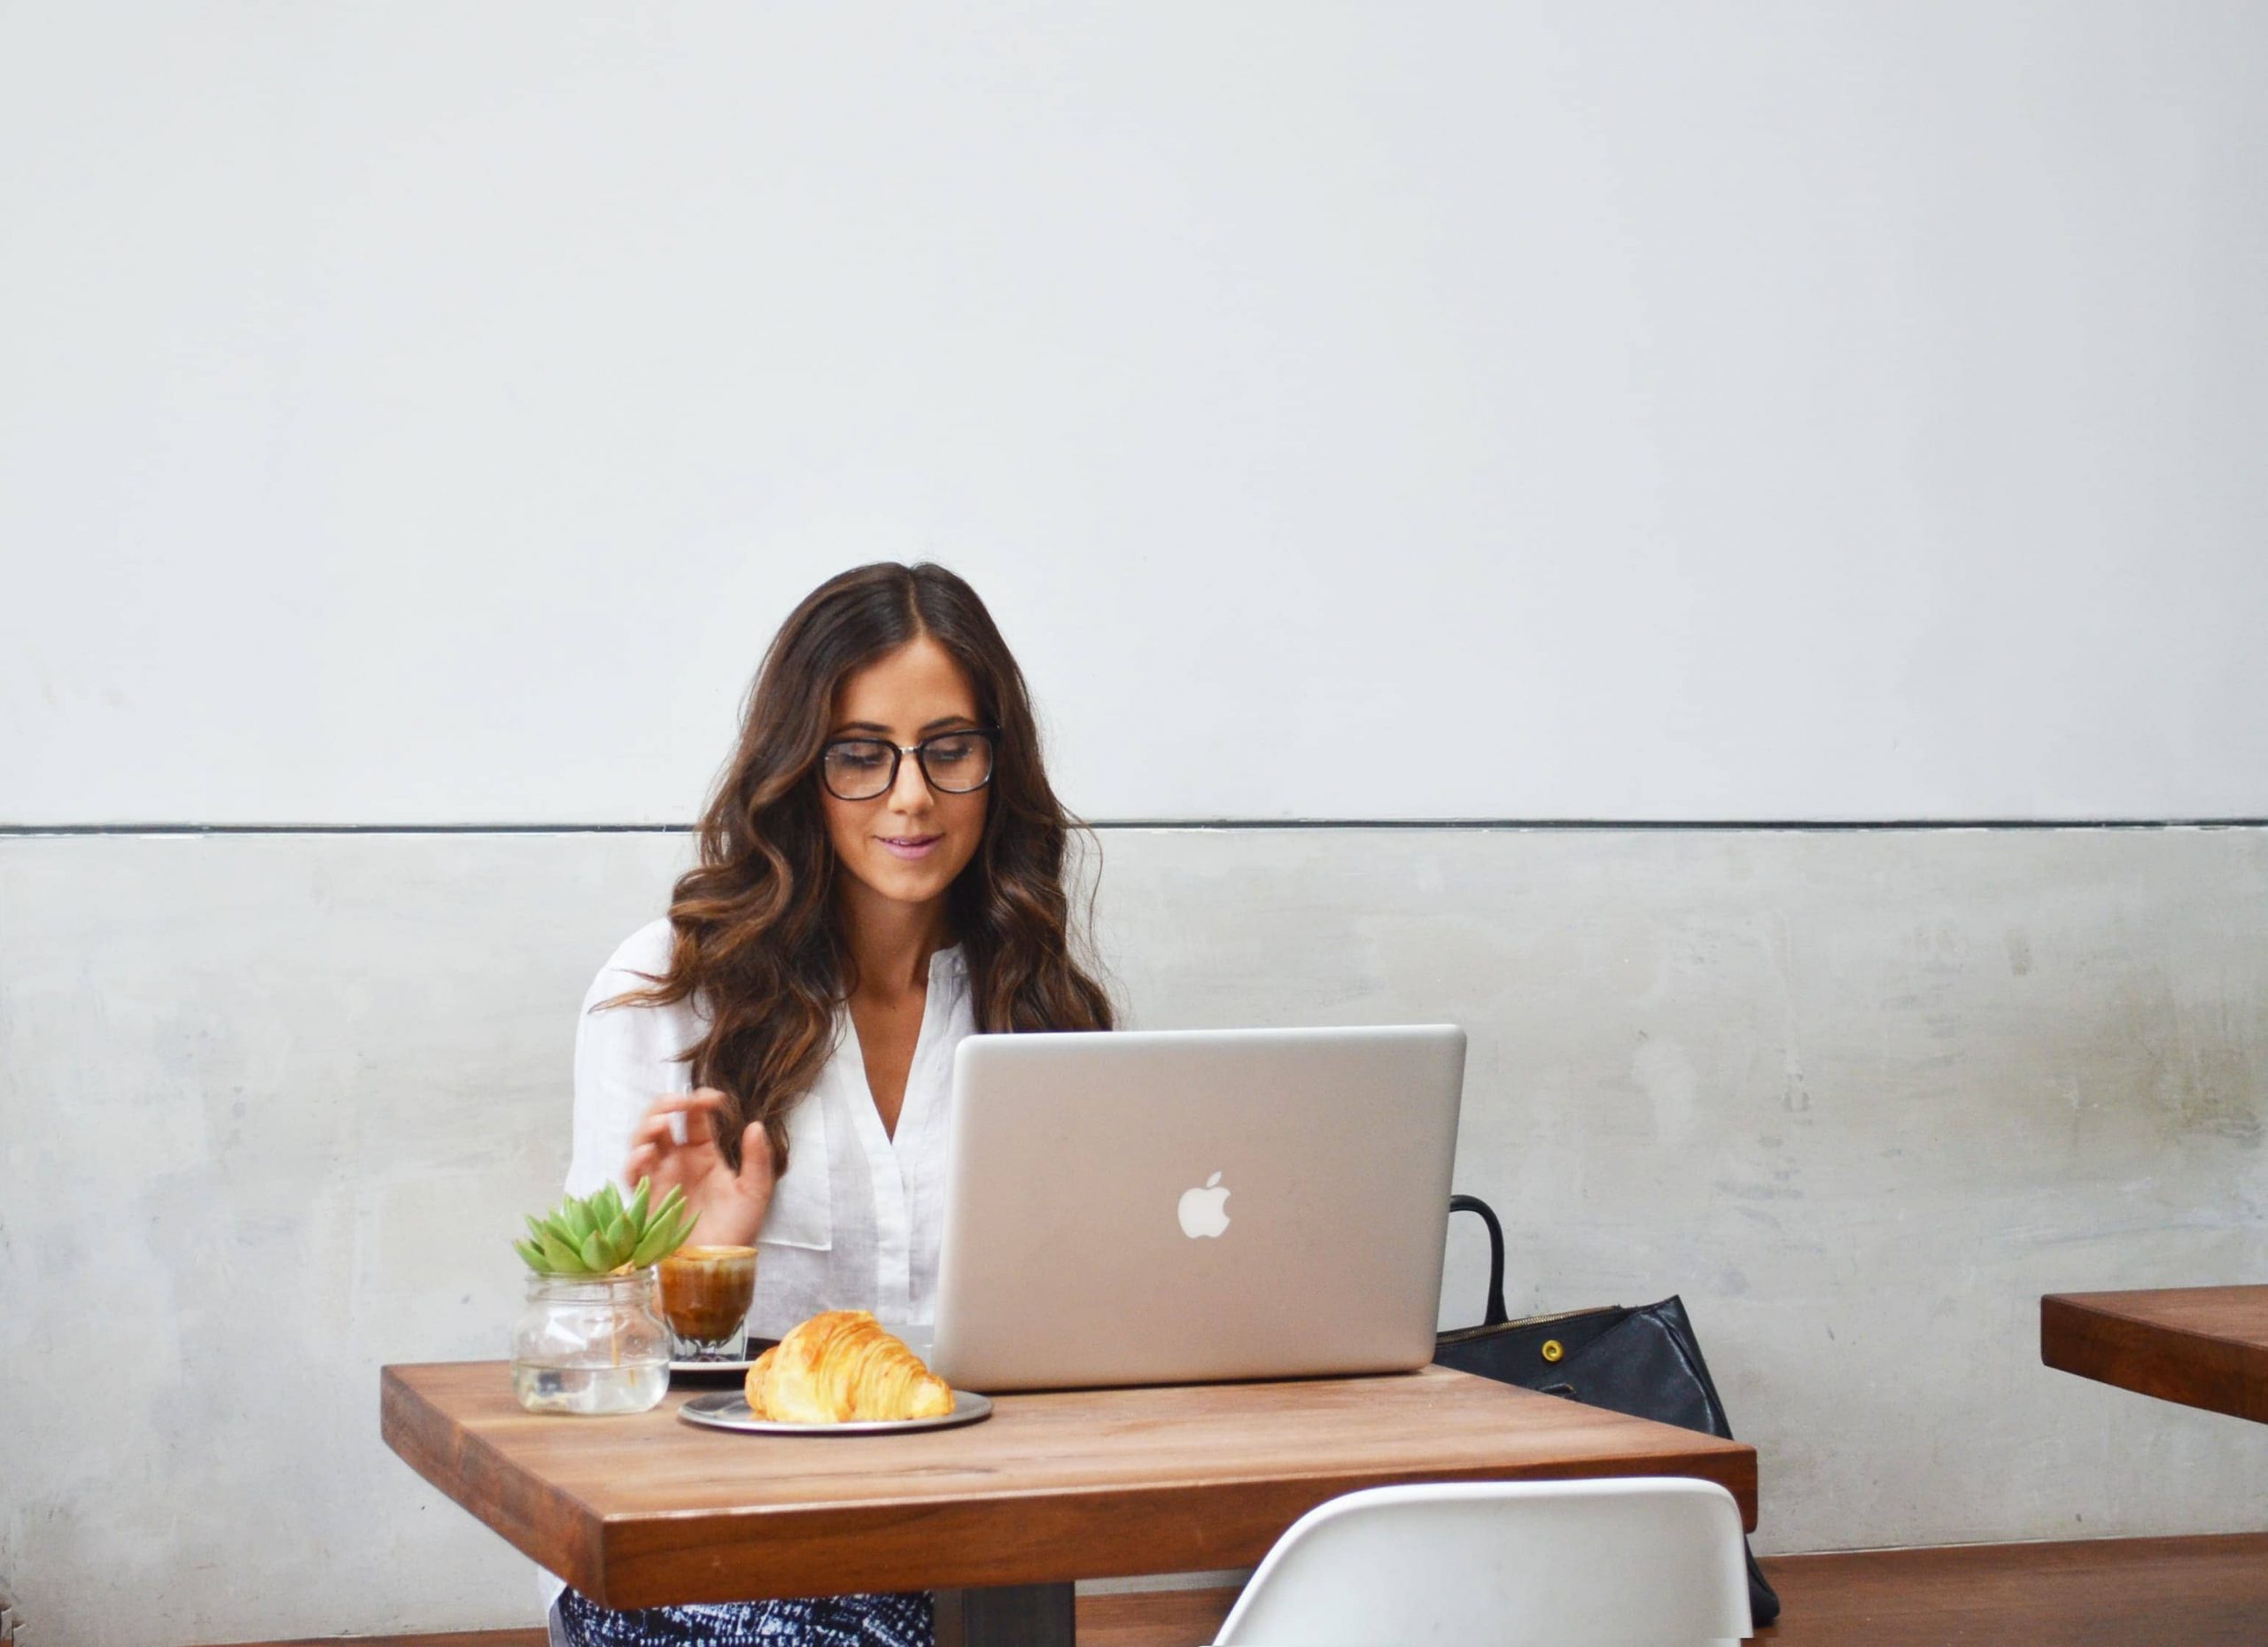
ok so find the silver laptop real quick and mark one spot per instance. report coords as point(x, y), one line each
point(1179, 1206)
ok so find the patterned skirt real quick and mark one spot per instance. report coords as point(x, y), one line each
point(906, 1619)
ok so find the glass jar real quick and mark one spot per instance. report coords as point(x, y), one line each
point(591, 1344)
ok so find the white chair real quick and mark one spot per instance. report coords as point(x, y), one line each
point(1651, 1560)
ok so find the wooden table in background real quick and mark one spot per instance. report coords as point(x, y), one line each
point(2202, 1345)
point(999, 1516)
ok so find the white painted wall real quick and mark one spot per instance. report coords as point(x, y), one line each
point(423, 413)
point(270, 1106)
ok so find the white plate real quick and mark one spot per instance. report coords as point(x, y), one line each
point(728, 1410)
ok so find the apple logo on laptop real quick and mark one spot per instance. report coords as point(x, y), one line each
point(1201, 1210)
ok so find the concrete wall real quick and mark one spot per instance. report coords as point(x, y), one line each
point(269, 1106)
point(422, 416)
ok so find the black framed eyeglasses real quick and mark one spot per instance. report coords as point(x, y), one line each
point(863, 769)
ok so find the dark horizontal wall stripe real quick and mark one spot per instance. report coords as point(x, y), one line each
point(1717, 825)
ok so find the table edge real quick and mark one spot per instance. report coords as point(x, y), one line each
point(2077, 1333)
point(641, 1570)
point(410, 1425)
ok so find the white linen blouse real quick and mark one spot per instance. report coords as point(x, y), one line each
point(855, 1221)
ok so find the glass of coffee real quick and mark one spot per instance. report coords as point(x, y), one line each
point(706, 1292)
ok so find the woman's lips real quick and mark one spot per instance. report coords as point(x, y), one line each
point(910, 846)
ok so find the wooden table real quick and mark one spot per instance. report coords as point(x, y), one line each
point(2202, 1345)
point(999, 1516)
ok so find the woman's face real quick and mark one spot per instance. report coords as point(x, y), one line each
point(908, 843)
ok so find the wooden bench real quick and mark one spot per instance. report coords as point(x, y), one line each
point(2196, 1592)
point(2126, 1592)
point(2123, 1592)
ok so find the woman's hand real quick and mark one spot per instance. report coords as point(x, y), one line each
point(729, 1206)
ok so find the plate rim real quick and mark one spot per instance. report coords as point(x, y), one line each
point(969, 1407)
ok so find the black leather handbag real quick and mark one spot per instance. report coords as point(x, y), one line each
point(1645, 1362)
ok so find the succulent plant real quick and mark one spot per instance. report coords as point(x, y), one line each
point(603, 1234)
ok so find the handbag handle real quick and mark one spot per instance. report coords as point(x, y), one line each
point(1497, 1314)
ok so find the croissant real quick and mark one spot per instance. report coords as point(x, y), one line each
point(843, 1366)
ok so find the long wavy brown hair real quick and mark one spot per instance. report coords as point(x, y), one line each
point(755, 939)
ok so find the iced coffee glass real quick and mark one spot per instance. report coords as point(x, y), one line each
point(706, 1292)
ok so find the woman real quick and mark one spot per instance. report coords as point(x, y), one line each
point(881, 873)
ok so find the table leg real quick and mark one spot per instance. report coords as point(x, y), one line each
point(1010, 1615)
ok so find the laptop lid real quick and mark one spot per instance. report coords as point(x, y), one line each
point(1185, 1205)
